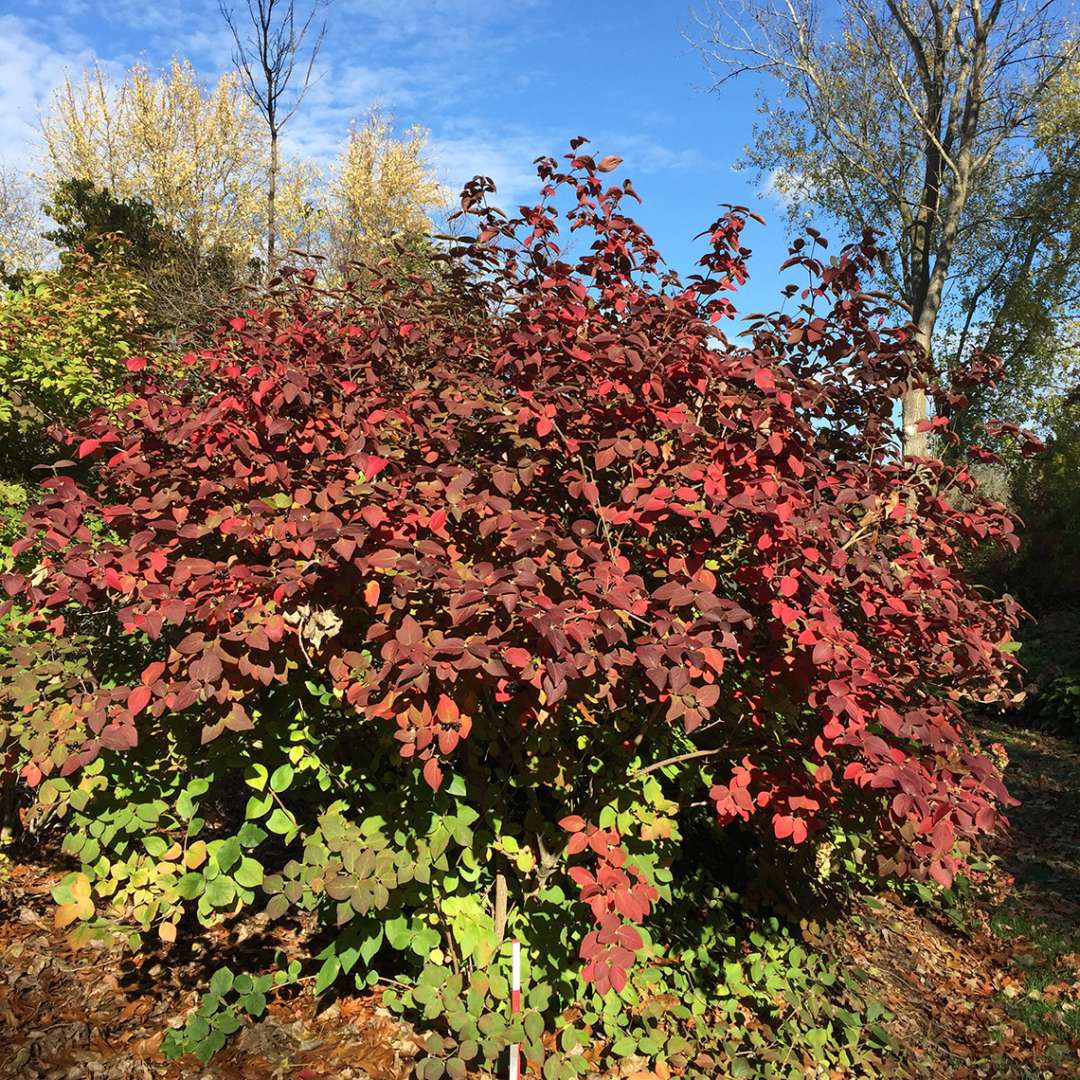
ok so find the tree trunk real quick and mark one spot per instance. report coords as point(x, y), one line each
point(271, 196)
point(914, 410)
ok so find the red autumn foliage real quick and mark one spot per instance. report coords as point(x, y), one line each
point(584, 492)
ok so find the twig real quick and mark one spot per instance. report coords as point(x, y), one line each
point(675, 760)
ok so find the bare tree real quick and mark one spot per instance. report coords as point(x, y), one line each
point(21, 244)
point(268, 56)
point(909, 116)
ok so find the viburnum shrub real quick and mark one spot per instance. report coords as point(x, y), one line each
point(518, 603)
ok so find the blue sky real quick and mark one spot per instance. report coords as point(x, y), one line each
point(496, 82)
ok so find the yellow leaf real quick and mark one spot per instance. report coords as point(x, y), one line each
point(66, 914)
point(196, 855)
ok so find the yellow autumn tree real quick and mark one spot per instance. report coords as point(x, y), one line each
point(196, 152)
point(380, 190)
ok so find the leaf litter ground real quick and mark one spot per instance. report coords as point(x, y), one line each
point(990, 991)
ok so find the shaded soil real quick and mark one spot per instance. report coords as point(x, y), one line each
point(990, 989)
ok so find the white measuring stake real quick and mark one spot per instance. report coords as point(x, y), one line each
point(515, 1004)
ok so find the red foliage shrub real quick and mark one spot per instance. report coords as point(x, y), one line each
point(539, 485)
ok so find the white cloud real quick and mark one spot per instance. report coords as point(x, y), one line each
point(429, 61)
point(30, 70)
point(508, 161)
point(786, 188)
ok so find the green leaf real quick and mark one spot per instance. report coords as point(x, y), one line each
point(227, 1022)
point(491, 1024)
point(155, 846)
point(220, 892)
point(254, 1004)
point(397, 932)
point(221, 982)
point(228, 854)
point(327, 974)
point(534, 1025)
point(190, 886)
point(279, 822)
point(370, 945)
point(250, 835)
point(249, 873)
point(257, 807)
point(281, 778)
point(209, 1046)
point(255, 776)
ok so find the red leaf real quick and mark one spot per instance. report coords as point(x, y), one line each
point(153, 672)
point(138, 699)
point(572, 824)
point(764, 380)
point(941, 874)
point(372, 465)
point(433, 774)
point(609, 163)
point(783, 826)
point(88, 446)
point(174, 610)
point(136, 363)
point(410, 632)
point(577, 844)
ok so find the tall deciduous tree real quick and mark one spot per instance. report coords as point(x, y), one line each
point(275, 59)
point(196, 153)
point(379, 193)
point(912, 116)
point(1032, 318)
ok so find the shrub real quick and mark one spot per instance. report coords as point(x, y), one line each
point(519, 603)
point(65, 335)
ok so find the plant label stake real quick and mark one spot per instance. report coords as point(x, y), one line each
point(515, 1003)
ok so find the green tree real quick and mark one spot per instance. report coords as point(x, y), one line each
point(918, 118)
point(1029, 313)
point(183, 282)
point(87, 216)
